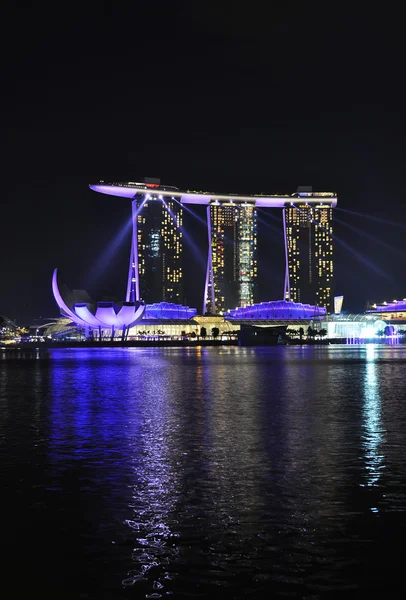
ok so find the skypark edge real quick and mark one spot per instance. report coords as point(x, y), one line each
point(130, 189)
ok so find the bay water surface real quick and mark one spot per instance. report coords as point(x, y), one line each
point(198, 472)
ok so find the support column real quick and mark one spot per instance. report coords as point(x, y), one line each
point(133, 284)
point(286, 291)
point(209, 270)
point(130, 273)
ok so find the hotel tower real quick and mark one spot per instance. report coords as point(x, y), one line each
point(309, 252)
point(232, 265)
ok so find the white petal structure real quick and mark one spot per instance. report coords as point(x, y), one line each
point(80, 308)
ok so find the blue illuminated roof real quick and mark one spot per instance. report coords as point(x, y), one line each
point(168, 310)
point(275, 311)
point(396, 306)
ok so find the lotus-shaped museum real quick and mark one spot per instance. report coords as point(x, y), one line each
point(78, 306)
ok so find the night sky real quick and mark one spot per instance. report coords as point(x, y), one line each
point(217, 95)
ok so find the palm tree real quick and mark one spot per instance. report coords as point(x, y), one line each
point(311, 332)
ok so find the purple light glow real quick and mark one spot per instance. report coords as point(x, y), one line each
point(106, 314)
point(168, 310)
point(111, 190)
point(202, 221)
point(272, 201)
point(61, 303)
point(286, 289)
point(373, 238)
point(281, 310)
point(209, 269)
point(103, 315)
point(133, 283)
point(390, 307)
point(82, 311)
point(109, 253)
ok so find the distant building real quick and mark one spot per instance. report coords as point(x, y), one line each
point(353, 326)
point(390, 311)
point(338, 304)
point(7, 324)
point(309, 250)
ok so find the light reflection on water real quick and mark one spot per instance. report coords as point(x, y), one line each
point(157, 481)
point(373, 436)
point(177, 471)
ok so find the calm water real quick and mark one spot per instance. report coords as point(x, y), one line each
point(176, 473)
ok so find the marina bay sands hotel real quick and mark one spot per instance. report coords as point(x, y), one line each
point(155, 269)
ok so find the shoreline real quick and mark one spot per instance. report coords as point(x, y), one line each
point(185, 343)
point(175, 344)
point(119, 344)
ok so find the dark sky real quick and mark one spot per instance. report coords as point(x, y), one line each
point(217, 95)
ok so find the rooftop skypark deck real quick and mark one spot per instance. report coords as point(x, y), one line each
point(130, 189)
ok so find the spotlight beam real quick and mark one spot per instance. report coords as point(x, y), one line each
point(185, 235)
point(109, 252)
point(372, 218)
point(269, 215)
point(359, 256)
point(269, 226)
point(133, 289)
point(370, 237)
point(202, 221)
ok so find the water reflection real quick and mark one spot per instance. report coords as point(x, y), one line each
point(373, 430)
point(189, 470)
point(111, 415)
point(23, 401)
point(156, 471)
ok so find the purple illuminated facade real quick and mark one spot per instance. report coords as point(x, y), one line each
point(393, 312)
point(396, 306)
point(167, 310)
point(230, 275)
point(130, 189)
point(279, 310)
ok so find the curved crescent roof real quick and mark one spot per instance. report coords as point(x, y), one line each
point(103, 314)
point(130, 190)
